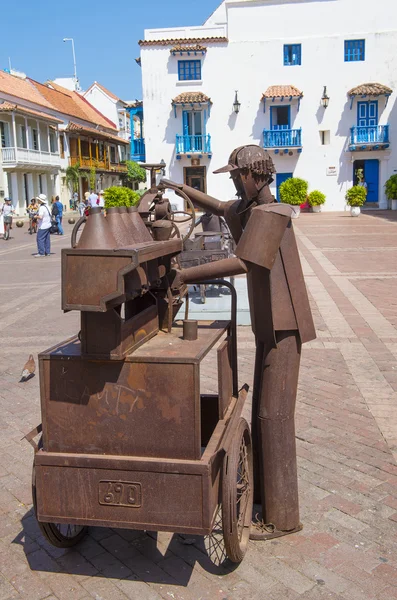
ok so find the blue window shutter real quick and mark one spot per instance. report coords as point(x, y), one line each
point(286, 61)
point(205, 123)
point(185, 122)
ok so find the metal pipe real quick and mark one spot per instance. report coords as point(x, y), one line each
point(233, 325)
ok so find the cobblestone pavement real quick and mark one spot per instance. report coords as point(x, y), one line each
point(346, 430)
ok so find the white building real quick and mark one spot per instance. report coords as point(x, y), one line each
point(44, 129)
point(111, 106)
point(279, 55)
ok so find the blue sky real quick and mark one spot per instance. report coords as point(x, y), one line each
point(105, 42)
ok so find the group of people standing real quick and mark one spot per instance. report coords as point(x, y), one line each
point(91, 200)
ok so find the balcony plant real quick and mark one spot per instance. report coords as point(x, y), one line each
point(391, 191)
point(316, 199)
point(120, 196)
point(293, 191)
point(355, 198)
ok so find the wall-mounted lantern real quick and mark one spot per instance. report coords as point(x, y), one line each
point(236, 104)
point(325, 98)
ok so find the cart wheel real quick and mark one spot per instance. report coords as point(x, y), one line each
point(60, 535)
point(237, 493)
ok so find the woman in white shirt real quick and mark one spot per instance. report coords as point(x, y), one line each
point(44, 222)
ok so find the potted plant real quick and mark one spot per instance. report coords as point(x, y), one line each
point(316, 199)
point(293, 191)
point(391, 191)
point(355, 198)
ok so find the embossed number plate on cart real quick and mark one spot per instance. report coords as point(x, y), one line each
point(120, 493)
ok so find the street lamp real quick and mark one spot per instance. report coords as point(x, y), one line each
point(236, 104)
point(76, 81)
point(325, 98)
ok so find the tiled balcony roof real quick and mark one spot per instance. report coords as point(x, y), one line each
point(97, 133)
point(192, 98)
point(172, 42)
point(182, 48)
point(7, 107)
point(282, 91)
point(370, 89)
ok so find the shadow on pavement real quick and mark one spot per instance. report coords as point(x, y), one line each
point(149, 557)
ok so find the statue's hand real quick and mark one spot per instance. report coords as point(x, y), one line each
point(171, 184)
point(175, 279)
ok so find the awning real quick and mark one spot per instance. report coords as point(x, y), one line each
point(191, 99)
point(9, 107)
point(282, 92)
point(95, 133)
point(189, 50)
point(372, 90)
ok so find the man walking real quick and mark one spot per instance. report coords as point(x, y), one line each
point(44, 221)
point(57, 212)
point(92, 199)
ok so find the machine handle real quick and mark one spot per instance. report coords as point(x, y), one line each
point(75, 230)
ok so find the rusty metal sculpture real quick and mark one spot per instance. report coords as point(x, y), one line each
point(127, 439)
point(281, 321)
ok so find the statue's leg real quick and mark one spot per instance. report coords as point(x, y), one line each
point(276, 434)
point(256, 392)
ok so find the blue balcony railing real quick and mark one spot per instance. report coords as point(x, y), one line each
point(282, 138)
point(375, 134)
point(193, 143)
point(138, 152)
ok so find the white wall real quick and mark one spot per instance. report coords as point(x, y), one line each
point(252, 61)
point(101, 101)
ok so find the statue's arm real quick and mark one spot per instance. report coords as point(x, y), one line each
point(204, 201)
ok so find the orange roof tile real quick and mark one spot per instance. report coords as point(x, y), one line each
point(282, 91)
point(72, 104)
point(73, 127)
point(171, 42)
point(370, 89)
point(9, 107)
point(21, 88)
point(192, 98)
point(182, 48)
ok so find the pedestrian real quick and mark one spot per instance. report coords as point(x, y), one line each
point(92, 199)
point(7, 210)
point(75, 200)
point(81, 207)
point(44, 221)
point(101, 199)
point(57, 212)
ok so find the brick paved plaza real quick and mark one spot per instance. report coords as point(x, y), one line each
point(346, 430)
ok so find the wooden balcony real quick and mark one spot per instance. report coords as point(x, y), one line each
point(374, 137)
point(85, 162)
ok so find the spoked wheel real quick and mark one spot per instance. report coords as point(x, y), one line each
point(237, 493)
point(60, 535)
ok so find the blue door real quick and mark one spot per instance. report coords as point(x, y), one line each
point(371, 177)
point(367, 114)
point(280, 177)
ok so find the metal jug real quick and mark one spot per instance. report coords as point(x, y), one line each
point(114, 217)
point(96, 234)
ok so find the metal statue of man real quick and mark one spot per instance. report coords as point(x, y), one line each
point(281, 321)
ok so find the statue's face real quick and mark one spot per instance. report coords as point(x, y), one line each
point(247, 184)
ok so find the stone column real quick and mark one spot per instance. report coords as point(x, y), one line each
point(14, 192)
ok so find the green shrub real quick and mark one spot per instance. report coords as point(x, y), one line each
point(293, 191)
point(316, 198)
point(391, 188)
point(120, 196)
point(135, 172)
point(356, 195)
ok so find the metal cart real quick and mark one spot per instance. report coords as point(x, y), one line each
point(128, 439)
